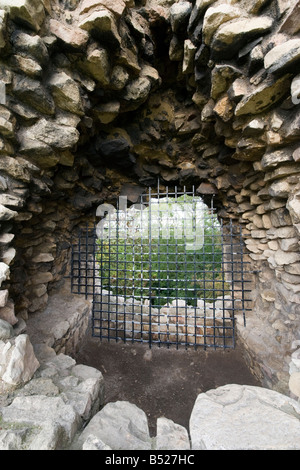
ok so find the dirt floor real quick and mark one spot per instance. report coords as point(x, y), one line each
point(161, 381)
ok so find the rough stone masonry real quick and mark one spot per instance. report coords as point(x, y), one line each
point(101, 98)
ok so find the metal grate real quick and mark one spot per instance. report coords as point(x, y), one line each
point(163, 271)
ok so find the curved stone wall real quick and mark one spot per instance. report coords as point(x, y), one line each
point(101, 98)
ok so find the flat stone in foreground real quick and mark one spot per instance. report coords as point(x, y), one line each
point(242, 417)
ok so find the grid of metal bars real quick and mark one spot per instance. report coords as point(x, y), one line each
point(163, 272)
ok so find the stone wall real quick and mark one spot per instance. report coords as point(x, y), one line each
point(102, 98)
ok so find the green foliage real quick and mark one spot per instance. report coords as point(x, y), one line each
point(177, 272)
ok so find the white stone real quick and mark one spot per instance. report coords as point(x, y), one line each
point(4, 272)
point(171, 436)
point(282, 55)
point(22, 362)
point(93, 443)
point(49, 413)
point(120, 425)
point(242, 417)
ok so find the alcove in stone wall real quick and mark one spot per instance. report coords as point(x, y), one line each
point(101, 100)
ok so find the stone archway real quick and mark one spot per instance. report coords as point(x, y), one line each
point(100, 98)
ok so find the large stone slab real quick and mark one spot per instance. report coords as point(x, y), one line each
point(120, 425)
point(282, 56)
point(242, 417)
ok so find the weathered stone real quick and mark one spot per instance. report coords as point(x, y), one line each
point(55, 419)
point(26, 65)
point(44, 135)
point(176, 49)
point(107, 112)
point(218, 419)
point(3, 17)
point(7, 313)
point(72, 37)
point(189, 51)
point(33, 93)
point(66, 93)
point(282, 56)
point(198, 9)
point(119, 77)
point(32, 46)
point(293, 205)
point(221, 78)
point(263, 96)
point(235, 34)
point(8, 255)
point(121, 426)
point(97, 65)
point(275, 158)
point(3, 297)
point(295, 90)
point(93, 443)
point(116, 7)
point(137, 91)
point(179, 16)
point(18, 361)
point(224, 109)
point(216, 17)
point(171, 436)
point(30, 13)
point(294, 384)
point(101, 24)
point(4, 272)
point(6, 331)
point(6, 214)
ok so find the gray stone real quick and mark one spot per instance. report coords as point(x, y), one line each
point(171, 436)
point(216, 16)
point(66, 93)
point(30, 13)
point(7, 313)
point(45, 135)
point(33, 93)
point(55, 418)
point(101, 23)
point(275, 158)
point(97, 65)
point(3, 16)
point(30, 46)
point(241, 417)
point(72, 37)
point(137, 91)
point(260, 98)
point(121, 426)
point(179, 16)
point(6, 214)
point(6, 330)
point(282, 56)
point(233, 35)
point(93, 443)
point(119, 77)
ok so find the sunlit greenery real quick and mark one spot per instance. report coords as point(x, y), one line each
point(177, 271)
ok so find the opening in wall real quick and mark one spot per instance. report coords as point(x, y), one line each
point(164, 271)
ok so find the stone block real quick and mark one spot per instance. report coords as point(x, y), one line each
point(71, 37)
point(30, 13)
point(282, 56)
